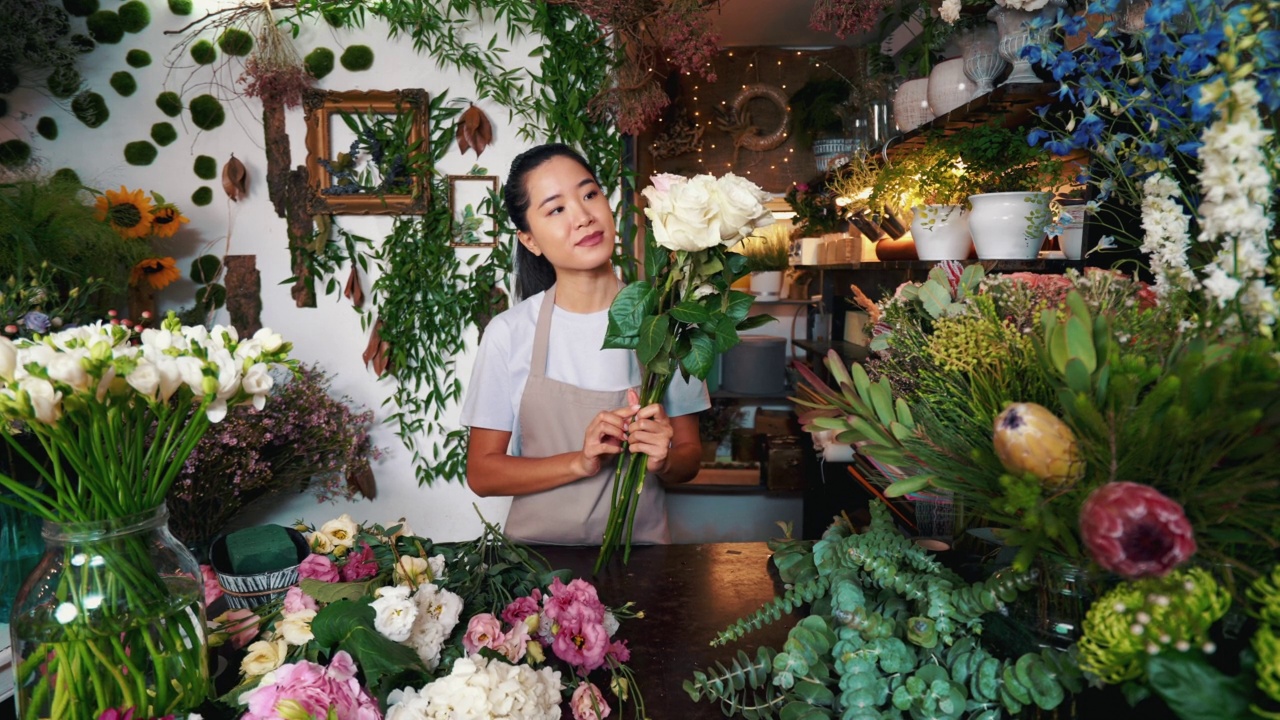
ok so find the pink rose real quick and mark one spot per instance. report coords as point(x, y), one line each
point(296, 601)
point(522, 607)
point(483, 631)
point(588, 703)
point(318, 567)
point(361, 565)
point(619, 651)
point(212, 588)
point(1134, 530)
point(582, 645)
point(663, 182)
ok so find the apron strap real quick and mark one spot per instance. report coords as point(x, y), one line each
point(542, 334)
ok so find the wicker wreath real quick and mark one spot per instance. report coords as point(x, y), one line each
point(773, 94)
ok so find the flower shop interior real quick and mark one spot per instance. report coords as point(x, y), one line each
point(980, 291)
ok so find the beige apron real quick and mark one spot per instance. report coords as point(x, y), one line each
point(553, 420)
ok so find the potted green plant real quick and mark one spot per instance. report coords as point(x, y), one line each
point(817, 118)
point(816, 211)
point(932, 184)
point(768, 253)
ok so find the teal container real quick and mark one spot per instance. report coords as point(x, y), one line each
point(20, 549)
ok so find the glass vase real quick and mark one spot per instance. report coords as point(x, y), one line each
point(1062, 599)
point(111, 617)
point(20, 548)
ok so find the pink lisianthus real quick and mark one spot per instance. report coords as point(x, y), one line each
point(516, 643)
point(587, 699)
point(240, 624)
point(573, 604)
point(212, 588)
point(522, 607)
point(483, 631)
point(318, 567)
point(1135, 531)
point(581, 644)
point(313, 689)
point(295, 601)
point(619, 651)
point(360, 565)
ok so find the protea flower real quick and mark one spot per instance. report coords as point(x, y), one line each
point(1030, 439)
point(1135, 530)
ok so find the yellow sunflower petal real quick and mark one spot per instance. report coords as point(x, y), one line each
point(128, 212)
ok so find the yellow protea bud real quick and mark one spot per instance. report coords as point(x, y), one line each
point(1030, 439)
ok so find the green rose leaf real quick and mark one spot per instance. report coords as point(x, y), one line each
point(735, 265)
point(655, 258)
point(701, 357)
point(331, 592)
point(723, 332)
point(690, 311)
point(655, 332)
point(1194, 689)
point(737, 305)
point(633, 304)
point(349, 625)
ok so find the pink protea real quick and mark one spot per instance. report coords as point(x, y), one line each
point(1135, 531)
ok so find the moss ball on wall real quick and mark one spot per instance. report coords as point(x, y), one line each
point(163, 133)
point(138, 58)
point(14, 153)
point(90, 108)
point(123, 83)
point(105, 27)
point(180, 7)
point(333, 17)
point(206, 167)
point(319, 62)
point(82, 43)
point(64, 81)
point(67, 175)
point(47, 127)
point(202, 196)
point(140, 152)
point(235, 41)
point(8, 80)
point(202, 52)
point(207, 112)
point(357, 58)
point(81, 8)
point(169, 103)
point(134, 16)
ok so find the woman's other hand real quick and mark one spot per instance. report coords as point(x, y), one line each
point(603, 438)
point(650, 432)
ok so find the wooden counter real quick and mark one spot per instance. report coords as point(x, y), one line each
point(688, 593)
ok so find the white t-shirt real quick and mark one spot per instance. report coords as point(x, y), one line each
point(573, 356)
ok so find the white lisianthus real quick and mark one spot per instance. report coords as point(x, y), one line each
point(263, 656)
point(741, 208)
point(438, 613)
point(295, 628)
point(395, 612)
point(8, 358)
point(412, 570)
point(341, 530)
point(320, 543)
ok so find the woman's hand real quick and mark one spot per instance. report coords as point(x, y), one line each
point(650, 432)
point(604, 437)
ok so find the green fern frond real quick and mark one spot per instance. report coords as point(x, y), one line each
point(805, 592)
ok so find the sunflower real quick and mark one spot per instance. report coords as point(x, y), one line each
point(157, 271)
point(128, 212)
point(165, 221)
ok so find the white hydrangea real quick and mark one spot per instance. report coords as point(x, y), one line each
point(478, 688)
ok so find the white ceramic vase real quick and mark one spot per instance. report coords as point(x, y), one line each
point(1009, 225)
point(766, 285)
point(941, 232)
point(911, 104)
point(949, 86)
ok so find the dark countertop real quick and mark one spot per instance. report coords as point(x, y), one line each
point(688, 593)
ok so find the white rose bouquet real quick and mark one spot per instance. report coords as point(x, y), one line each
point(684, 313)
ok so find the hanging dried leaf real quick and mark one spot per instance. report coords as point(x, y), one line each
point(235, 179)
point(378, 351)
point(474, 131)
point(363, 481)
point(353, 291)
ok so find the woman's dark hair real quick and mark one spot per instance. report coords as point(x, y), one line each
point(534, 273)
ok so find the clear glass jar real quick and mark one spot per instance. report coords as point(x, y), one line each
point(111, 617)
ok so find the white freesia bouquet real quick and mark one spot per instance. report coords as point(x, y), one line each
point(683, 314)
point(118, 411)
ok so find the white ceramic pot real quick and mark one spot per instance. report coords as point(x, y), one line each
point(941, 232)
point(1072, 237)
point(911, 104)
point(1009, 225)
point(766, 284)
point(949, 86)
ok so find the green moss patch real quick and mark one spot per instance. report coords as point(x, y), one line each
point(235, 41)
point(134, 16)
point(14, 153)
point(357, 58)
point(163, 133)
point(83, 44)
point(47, 127)
point(105, 27)
point(180, 7)
point(67, 175)
point(80, 8)
point(138, 58)
point(207, 112)
point(319, 62)
point(203, 52)
point(140, 152)
point(64, 81)
point(206, 167)
point(123, 83)
point(202, 196)
point(169, 103)
point(90, 108)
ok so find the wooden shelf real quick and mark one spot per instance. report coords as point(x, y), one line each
point(1041, 264)
point(1015, 103)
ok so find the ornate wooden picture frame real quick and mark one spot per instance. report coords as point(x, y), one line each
point(473, 221)
point(322, 108)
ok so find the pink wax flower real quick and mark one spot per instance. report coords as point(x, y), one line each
point(483, 631)
point(522, 607)
point(573, 603)
point(587, 699)
point(360, 565)
point(1135, 531)
point(295, 601)
point(318, 567)
point(581, 644)
point(315, 689)
point(212, 588)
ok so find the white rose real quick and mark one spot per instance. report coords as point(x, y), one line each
point(270, 341)
point(950, 11)
point(145, 379)
point(1023, 4)
point(320, 543)
point(395, 613)
point(296, 628)
point(257, 382)
point(264, 656)
point(695, 201)
point(46, 403)
point(741, 208)
point(8, 358)
point(670, 232)
point(341, 530)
